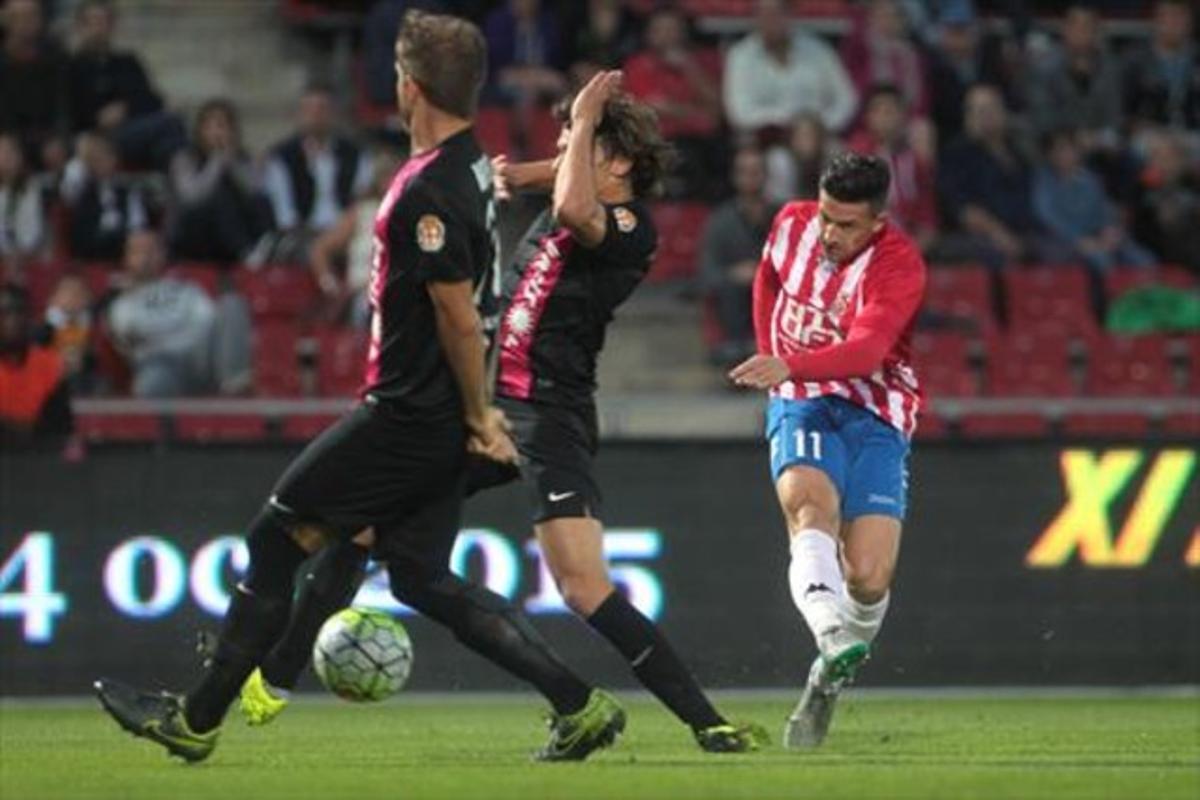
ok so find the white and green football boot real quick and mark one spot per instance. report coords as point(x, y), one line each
point(835, 667)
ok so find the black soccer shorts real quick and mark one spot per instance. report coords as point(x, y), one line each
point(377, 468)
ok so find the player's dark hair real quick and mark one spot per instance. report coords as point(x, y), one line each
point(857, 178)
point(447, 57)
point(629, 129)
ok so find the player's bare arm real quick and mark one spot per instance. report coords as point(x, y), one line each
point(460, 332)
point(576, 204)
point(525, 176)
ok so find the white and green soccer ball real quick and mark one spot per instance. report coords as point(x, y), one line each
point(362, 655)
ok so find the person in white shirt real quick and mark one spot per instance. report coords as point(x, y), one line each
point(175, 338)
point(775, 73)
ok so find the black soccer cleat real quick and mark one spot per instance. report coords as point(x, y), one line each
point(742, 737)
point(157, 717)
point(573, 737)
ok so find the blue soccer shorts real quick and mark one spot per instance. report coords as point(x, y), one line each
point(864, 457)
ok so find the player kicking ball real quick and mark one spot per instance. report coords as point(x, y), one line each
point(577, 263)
point(835, 296)
point(396, 464)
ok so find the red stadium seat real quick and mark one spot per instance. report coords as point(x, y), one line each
point(99, 276)
point(961, 293)
point(493, 129)
point(220, 427)
point(1105, 425)
point(284, 292)
point(1025, 366)
point(931, 426)
point(1119, 281)
point(118, 427)
point(276, 362)
point(679, 228)
point(40, 279)
point(940, 359)
point(1009, 426)
point(1050, 301)
point(1182, 423)
point(541, 134)
point(1133, 366)
point(303, 427)
point(341, 356)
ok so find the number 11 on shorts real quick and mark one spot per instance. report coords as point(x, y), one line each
point(803, 438)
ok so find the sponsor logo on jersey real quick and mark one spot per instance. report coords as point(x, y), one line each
point(626, 219)
point(431, 233)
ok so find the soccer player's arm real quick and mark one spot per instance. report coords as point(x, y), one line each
point(525, 176)
point(891, 303)
point(575, 204)
point(442, 260)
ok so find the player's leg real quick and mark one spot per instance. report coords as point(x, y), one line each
point(573, 549)
point(327, 585)
point(417, 555)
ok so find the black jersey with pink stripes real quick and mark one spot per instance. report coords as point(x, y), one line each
point(437, 222)
point(559, 297)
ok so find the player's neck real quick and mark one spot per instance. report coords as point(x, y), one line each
point(614, 193)
point(430, 127)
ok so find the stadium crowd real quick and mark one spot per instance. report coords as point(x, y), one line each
point(152, 250)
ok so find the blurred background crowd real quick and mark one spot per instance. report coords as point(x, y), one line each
point(1046, 156)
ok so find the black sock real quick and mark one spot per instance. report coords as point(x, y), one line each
point(326, 587)
point(654, 661)
point(258, 613)
point(491, 626)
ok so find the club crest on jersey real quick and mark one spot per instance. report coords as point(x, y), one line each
point(431, 233)
point(626, 219)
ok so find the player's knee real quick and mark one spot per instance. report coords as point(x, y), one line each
point(583, 593)
point(809, 502)
point(868, 578)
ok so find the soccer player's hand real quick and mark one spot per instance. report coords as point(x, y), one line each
point(490, 437)
point(760, 372)
point(500, 185)
point(588, 108)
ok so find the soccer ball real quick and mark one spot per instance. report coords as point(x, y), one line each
point(362, 655)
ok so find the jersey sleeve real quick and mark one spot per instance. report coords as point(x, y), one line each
point(432, 241)
point(767, 284)
point(891, 299)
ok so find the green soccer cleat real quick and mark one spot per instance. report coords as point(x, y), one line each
point(157, 717)
point(573, 737)
point(258, 702)
point(742, 737)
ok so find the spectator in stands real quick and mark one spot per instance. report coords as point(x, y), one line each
point(1168, 210)
point(176, 340)
point(1079, 84)
point(220, 210)
point(777, 72)
point(68, 329)
point(22, 208)
point(1070, 202)
point(1162, 79)
point(110, 91)
point(526, 64)
point(602, 34)
point(341, 255)
point(104, 206)
point(681, 82)
point(912, 202)
point(962, 57)
point(312, 176)
point(35, 401)
point(879, 50)
point(33, 83)
point(987, 189)
point(794, 171)
point(729, 253)
point(380, 27)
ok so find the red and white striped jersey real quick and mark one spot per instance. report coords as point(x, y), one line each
point(823, 317)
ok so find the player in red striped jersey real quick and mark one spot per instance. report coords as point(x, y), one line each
point(835, 296)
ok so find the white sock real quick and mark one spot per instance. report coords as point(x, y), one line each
point(815, 577)
point(864, 620)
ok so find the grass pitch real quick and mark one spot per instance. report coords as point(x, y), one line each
point(421, 747)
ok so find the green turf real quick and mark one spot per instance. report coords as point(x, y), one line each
point(1125, 747)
